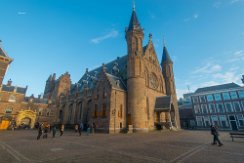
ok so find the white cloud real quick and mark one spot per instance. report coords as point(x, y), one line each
point(208, 69)
point(227, 77)
point(21, 13)
point(234, 1)
point(237, 56)
point(112, 34)
point(181, 92)
point(193, 17)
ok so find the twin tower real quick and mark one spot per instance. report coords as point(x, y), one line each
point(148, 81)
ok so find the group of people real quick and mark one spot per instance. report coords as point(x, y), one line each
point(45, 128)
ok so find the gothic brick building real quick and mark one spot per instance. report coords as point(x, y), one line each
point(132, 92)
point(15, 106)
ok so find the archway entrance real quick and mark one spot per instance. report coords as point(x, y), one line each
point(27, 118)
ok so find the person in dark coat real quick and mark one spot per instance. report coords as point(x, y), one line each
point(45, 131)
point(39, 132)
point(54, 129)
point(80, 128)
point(215, 133)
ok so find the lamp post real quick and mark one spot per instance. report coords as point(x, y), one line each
point(114, 110)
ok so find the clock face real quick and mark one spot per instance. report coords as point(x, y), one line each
point(153, 81)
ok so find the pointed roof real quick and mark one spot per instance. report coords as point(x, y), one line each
point(166, 57)
point(134, 23)
point(2, 53)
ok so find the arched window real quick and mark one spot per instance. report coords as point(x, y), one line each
point(120, 113)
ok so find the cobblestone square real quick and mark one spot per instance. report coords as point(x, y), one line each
point(181, 146)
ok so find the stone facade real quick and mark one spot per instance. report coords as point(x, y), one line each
point(16, 107)
point(123, 93)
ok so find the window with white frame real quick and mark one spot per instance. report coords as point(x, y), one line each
point(240, 120)
point(199, 121)
point(220, 108)
point(204, 108)
point(233, 95)
point(206, 121)
point(215, 120)
point(241, 94)
point(210, 98)
point(197, 109)
point(212, 108)
point(202, 99)
point(217, 97)
point(195, 99)
point(229, 107)
point(223, 121)
point(226, 95)
point(237, 106)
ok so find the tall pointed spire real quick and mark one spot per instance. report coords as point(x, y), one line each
point(134, 23)
point(166, 57)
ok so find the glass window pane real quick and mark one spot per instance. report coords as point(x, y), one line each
point(229, 107)
point(206, 121)
point(212, 108)
point(220, 107)
point(202, 99)
point(199, 121)
point(195, 99)
point(204, 109)
point(226, 96)
point(223, 121)
point(240, 120)
point(215, 120)
point(217, 97)
point(237, 106)
point(241, 94)
point(233, 95)
point(197, 109)
point(210, 97)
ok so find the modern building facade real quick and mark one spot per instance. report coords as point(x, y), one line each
point(221, 105)
point(132, 92)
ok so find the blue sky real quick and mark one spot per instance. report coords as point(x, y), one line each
point(205, 38)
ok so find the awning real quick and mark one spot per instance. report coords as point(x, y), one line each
point(163, 104)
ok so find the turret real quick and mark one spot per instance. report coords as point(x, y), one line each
point(136, 83)
point(168, 73)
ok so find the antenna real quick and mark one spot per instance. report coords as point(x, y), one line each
point(188, 88)
point(134, 5)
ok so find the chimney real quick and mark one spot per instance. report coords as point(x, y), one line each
point(9, 83)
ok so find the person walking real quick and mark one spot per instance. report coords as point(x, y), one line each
point(62, 129)
point(93, 127)
point(80, 128)
point(76, 128)
point(39, 131)
point(215, 133)
point(45, 131)
point(54, 129)
point(88, 130)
